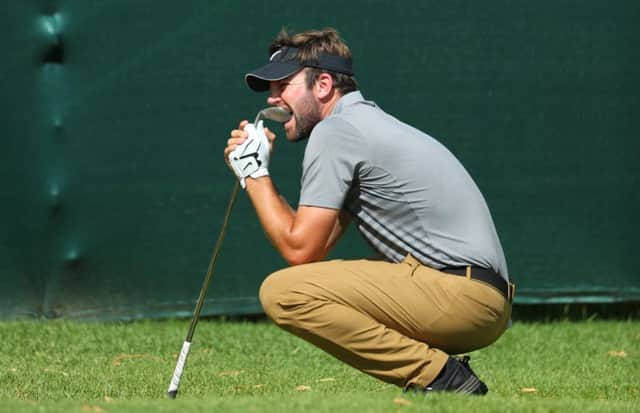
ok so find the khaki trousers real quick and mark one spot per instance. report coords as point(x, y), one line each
point(396, 322)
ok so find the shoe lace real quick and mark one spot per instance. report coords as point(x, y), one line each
point(465, 362)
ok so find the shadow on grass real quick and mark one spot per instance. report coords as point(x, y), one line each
point(521, 312)
point(577, 311)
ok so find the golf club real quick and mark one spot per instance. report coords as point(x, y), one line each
point(276, 114)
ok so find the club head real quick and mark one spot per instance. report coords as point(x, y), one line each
point(275, 113)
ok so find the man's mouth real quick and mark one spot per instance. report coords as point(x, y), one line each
point(289, 122)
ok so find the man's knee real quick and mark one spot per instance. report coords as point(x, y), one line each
point(273, 287)
point(285, 293)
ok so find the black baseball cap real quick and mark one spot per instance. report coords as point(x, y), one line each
point(285, 61)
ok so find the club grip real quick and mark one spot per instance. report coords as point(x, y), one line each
point(177, 373)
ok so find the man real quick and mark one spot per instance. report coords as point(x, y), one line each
point(441, 286)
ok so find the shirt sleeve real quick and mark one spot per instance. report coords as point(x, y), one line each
point(330, 163)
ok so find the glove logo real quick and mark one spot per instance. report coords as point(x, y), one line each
point(251, 155)
point(251, 158)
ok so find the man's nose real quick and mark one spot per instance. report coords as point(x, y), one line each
point(273, 100)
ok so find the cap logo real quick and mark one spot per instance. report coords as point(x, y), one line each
point(275, 54)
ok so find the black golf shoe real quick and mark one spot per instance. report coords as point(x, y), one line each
point(457, 377)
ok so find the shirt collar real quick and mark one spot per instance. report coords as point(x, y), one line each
point(347, 100)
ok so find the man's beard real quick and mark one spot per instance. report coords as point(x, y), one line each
point(307, 118)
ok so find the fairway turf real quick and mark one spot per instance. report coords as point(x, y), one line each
point(58, 366)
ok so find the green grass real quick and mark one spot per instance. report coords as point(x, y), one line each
point(56, 366)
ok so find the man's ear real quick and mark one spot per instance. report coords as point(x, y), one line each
point(324, 86)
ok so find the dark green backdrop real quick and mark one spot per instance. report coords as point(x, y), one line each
point(114, 115)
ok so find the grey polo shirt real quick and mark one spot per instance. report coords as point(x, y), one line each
point(403, 189)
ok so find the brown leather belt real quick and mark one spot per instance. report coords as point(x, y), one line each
point(507, 289)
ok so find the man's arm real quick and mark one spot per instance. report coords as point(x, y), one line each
point(301, 236)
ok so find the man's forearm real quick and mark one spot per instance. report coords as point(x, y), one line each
point(275, 215)
point(301, 236)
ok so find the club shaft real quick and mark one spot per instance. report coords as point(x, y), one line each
point(212, 263)
point(184, 353)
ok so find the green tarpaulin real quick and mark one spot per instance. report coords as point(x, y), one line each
point(114, 115)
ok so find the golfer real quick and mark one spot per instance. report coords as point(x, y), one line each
point(438, 285)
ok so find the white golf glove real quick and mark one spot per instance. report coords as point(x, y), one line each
point(252, 157)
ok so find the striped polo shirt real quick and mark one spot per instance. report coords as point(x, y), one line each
point(405, 192)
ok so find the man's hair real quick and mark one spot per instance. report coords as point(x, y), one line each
point(310, 44)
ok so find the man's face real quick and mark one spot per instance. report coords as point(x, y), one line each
point(292, 94)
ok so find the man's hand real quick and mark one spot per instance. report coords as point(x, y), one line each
point(301, 236)
point(248, 151)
